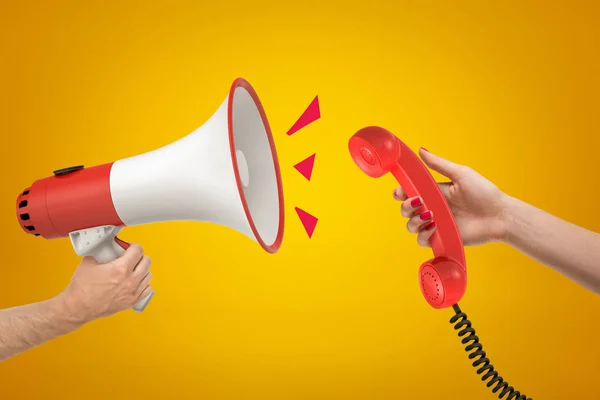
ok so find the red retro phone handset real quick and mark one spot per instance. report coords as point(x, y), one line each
point(443, 279)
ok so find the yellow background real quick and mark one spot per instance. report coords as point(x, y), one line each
point(510, 88)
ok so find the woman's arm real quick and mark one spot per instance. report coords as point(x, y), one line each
point(567, 248)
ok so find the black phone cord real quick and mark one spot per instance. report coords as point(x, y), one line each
point(472, 346)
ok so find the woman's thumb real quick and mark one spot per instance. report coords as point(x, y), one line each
point(442, 166)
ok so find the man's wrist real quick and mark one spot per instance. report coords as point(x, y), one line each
point(67, 311)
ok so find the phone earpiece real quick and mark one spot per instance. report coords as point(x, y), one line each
point(443, 282)
point(374, 150)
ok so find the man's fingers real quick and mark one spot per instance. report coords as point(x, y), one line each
point(145, 282)
point(417, 222)
point(131, 258)
point(445, 167)
point(425, 234)
point(145, 293)
point(399, 194)
point(142, 268)
point(410, 206)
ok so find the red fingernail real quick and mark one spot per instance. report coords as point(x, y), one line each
point(425, 149)
point(430, 226)
point(426, 215)
point(416, 202)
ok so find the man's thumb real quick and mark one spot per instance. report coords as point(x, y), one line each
point(442, 166)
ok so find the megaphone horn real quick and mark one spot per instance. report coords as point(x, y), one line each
point(225, 172)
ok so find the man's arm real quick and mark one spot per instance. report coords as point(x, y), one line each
point(567, 248)
point(24, 327)
point(95, 291)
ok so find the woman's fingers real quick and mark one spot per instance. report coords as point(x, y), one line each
point(425, 234)
point(410, 206)
point(420, 223)
point(399, 194)
point(417, 222)
point(445, 167)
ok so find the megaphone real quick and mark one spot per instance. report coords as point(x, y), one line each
point(225, 172)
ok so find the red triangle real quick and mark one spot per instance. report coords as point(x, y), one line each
point(311, 114)
point(305, 167)
point(308, 221)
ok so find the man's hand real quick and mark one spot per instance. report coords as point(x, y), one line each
point(96, 290)
point(100, 290)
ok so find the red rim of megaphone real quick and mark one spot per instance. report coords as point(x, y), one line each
point(240, 82)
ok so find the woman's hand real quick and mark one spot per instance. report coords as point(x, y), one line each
point(483, 214)
point(477, 204)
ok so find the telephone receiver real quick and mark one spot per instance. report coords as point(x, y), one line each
point(443, 279)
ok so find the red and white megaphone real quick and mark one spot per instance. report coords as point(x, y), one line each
point(225, 172)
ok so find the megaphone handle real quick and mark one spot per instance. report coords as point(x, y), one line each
point(102, 243)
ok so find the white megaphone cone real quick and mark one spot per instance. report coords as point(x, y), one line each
point(225, 172)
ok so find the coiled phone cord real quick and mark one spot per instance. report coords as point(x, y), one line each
point(460, 322)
